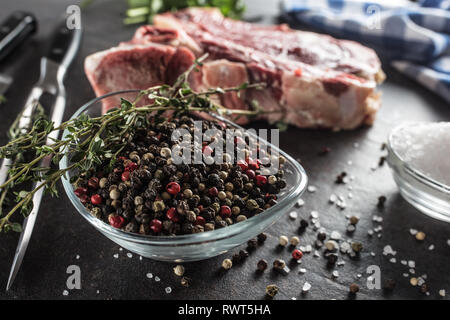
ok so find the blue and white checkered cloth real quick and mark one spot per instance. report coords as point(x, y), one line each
point(415, 38)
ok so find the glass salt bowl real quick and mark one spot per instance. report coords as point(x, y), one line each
point(429, 196)
point(191, 247)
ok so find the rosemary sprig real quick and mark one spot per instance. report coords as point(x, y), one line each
point(95, 142)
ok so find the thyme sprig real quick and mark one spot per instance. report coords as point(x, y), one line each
point(94, 142)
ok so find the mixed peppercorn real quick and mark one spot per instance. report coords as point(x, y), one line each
point(147, 193)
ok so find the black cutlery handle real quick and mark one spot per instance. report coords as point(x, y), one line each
point(14, 30)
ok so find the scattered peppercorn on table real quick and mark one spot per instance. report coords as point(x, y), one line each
point(351, 233)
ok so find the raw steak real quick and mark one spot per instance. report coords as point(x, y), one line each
point(311, 80)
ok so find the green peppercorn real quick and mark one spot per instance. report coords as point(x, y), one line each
point(252, 204)
point(191, 216)
point(271, 290)
point(227, 264)
point(103, 182)
point(216, 207)
point(272, 179)
point(148, 157)
point(96, 212)
point(114, 194)
point(116, 204)
point(158, 206)
point(198, 229)
point(187, 193)
point(165, 152)
point(235, 210)
point(241, 218)
point(209, 226)
point(229, 186)
point(222, 195)
point(248, 186)
point(166, 196)
point(186, 282)
point(138, 201)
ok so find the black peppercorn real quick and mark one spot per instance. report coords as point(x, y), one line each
point(236, 258)
point(244, 254)
point(261, 265)
point(389, 284)
point(252, 244)
point(321, 236)
point(261, 237)
point(303, 224)
point(332, 258)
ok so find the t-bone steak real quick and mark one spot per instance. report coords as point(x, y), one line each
point(312, 80)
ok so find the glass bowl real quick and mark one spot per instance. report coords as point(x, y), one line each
point(424, 193)
point(197, 246)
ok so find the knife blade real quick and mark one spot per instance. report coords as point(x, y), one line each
point(13, 31)
point(54, 65)
point(5, 82)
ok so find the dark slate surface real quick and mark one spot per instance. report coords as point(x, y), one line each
point(61, 234)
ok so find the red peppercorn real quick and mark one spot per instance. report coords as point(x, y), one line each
point(125, 176)
point(200, 221)
point(173, 215)
point(173, 188)
point(261, 180)
point(213, 192)
point(243, 165)
point(122, 158)
point(132, 166)
point(93, 182)
point(116, 221)
point(250, 173)
point(84, 198)
point(96, 199)
point(222, 124)
point(80, 191)
point(253, 164)
point(225, 211)
point(156, 225)
point(297, 254)
point(207, 150)
point(239, 141)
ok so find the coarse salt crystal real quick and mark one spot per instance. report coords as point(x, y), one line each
point(293, 215)
point(300, 203)
point(149, 275)
point(312, 189)
point(306, 287)
point(423, 146)
point(129, 255)
point(116, 256)
point(333, 198)
point(65, 293)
